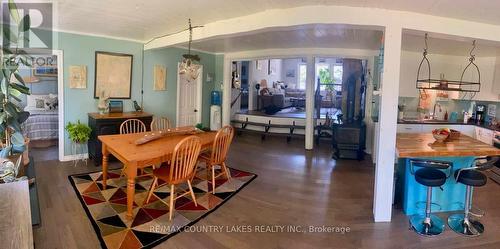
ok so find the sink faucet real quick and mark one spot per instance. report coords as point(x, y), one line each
point(433, 116)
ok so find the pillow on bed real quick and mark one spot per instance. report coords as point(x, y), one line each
point(51, 103)
point(35, 102)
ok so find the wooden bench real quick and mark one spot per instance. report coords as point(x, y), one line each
point(267, 129)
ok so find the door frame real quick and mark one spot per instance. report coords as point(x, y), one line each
point(199, 99)
point(60, 101)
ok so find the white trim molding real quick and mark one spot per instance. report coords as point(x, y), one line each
point(344, 15)
point(60, 97)
point(68, 158)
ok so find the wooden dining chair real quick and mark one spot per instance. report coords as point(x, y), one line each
point(160, 124)
point(132, 126)
point(217, 155)
point(180, 170)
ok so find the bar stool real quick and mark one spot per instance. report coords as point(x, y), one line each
point(430, 175)
point(465, 224)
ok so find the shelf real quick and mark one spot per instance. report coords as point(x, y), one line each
point(451, 85)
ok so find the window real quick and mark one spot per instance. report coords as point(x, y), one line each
point(323, 74)
point(302, 76)
point(337, 76)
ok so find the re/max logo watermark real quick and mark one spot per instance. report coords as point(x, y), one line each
point(39, 35)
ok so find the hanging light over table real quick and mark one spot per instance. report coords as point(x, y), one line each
point(187, 66)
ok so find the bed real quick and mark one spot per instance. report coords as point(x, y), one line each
point(43, 122)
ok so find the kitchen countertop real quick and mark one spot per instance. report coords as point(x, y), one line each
point(424, 145)
point(445, 122)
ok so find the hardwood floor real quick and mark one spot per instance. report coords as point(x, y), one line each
point(293, 187)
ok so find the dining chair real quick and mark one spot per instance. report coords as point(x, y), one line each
point(160, 124)
point(218, 153)
point(132, 126)
point(180, 170)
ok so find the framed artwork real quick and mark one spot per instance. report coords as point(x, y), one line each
point(113, 75)
point(159, 78)
point(271, 67)
point(45, 71)
point(78, 77)
point(290, 73)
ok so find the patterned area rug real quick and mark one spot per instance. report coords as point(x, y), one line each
point(150, 226)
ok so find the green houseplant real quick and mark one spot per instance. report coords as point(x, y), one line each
point(78, 133)
point(12, 85)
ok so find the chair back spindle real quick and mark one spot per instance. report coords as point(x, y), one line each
point(184, 159)
point(132, 126)
point(160, 124)
point(221, 144)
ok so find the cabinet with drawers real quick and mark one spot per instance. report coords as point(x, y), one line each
point(108, 124)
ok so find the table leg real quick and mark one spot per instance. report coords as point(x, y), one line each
point(131, 173)
point(104, 166)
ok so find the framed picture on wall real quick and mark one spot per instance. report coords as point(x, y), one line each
point(45, 71)
point(113, 75)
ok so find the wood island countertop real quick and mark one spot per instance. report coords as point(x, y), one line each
point(424, 145)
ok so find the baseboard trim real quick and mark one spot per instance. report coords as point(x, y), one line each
point(67, 158)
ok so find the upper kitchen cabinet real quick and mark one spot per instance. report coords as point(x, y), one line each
point(487, 66)
point(496, 77)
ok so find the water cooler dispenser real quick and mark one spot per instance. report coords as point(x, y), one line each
point(215, 111)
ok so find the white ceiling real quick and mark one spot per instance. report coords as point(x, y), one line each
point(142, 20)
point(305, 36)
point(438, 44)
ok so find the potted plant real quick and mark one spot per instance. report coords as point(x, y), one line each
point(12, 85)
point(78, 133)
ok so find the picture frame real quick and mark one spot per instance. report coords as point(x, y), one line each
point(159, 78)
point(290, 73)
point(45, 71)
point(78, 77)
point(113, 74)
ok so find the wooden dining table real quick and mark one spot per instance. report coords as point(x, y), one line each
point(135, 157)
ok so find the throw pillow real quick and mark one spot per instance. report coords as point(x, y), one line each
point(51, 103)
point(39, 103)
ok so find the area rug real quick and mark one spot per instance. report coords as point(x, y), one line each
point(150, 226)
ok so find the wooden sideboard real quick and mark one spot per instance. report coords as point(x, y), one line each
point(107, 124)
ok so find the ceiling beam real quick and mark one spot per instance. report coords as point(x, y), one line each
point(340, 15)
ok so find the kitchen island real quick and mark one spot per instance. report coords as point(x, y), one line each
point(461, 152)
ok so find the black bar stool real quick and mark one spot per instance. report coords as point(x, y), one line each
point(465, 224)
point(430, 175)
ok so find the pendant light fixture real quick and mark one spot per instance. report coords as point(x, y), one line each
point(425, 82)
point(187, 66)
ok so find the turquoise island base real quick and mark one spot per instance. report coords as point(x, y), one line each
point(450, 197)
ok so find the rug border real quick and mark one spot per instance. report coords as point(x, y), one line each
point(96, 227)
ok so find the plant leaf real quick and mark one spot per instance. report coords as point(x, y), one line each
point(18, 77)
point(25, 24)
point(13, 11)
point(21, 88)
point(11, 110)
point(6, 50)
point(3, 116)
point(9, 34)
point(13, 124)
point(25, 61)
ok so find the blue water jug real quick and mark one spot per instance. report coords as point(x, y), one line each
point(215, 98)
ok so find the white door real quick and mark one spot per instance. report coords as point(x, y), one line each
point(189, 99)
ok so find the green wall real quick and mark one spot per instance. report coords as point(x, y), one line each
point(80, 50)
point(163, 103)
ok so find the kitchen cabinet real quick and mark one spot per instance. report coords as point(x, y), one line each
point(409, 128)
point(484, 135)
